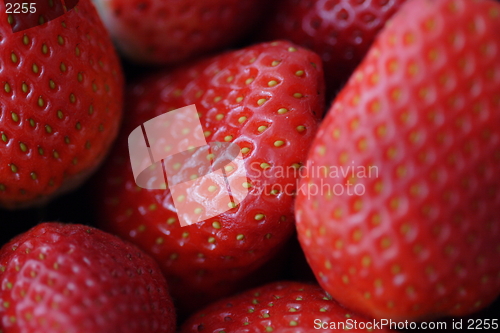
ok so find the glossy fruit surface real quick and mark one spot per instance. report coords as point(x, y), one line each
point(74, 278)
point(340, 31)
point(172, 31)
point(405, 223)
point(283, 306)
point(61, 99)
point(267, 99)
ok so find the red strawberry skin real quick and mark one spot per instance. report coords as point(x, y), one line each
point(423, 109)
point(74, 278)
point(340, 31)
point(61, 95)
point(170, 31)
point(267, 99)
point(277, 307)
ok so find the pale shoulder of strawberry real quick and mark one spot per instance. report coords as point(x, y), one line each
point(267, 99)
point(407, 226)
point(61, 99)
point(74, 278)
point(283, 306)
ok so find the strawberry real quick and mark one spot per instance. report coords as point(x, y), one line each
point(74, 278)
point(278, 307)
point(267, 99)
point(61, 103)
point(398, 210)
point(170, 31)
point(340, 31)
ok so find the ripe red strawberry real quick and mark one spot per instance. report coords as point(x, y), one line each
point(340, 31)
point(267, 99)
point(61, 100)
point(74, 278)
point(170, 31)
point(278, 307)
point(411, 229)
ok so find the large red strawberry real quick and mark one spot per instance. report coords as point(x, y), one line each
point(340, 31)
point(74, 278)
point(266, 99)
point(170, 31)
point(61, 100)
point(279, 307)
point(398, 213)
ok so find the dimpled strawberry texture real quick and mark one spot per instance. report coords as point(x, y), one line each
point(61, 100)
point(73, 278)
point(254, 97)
point(170, 31)
point(340, 31)
point(277, 307)
point(423, 108)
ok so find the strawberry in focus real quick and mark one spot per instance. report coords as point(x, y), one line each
point(61, 103)
point(414, 136)
point(172, 31)
point(267, 99)
point(340, 31)
point(74, 278)
point(278, 307)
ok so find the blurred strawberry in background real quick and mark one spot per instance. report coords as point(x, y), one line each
point(339, 31)
point(171, 31)
point(61, 104)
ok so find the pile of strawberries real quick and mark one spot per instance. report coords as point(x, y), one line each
point(369, 131)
